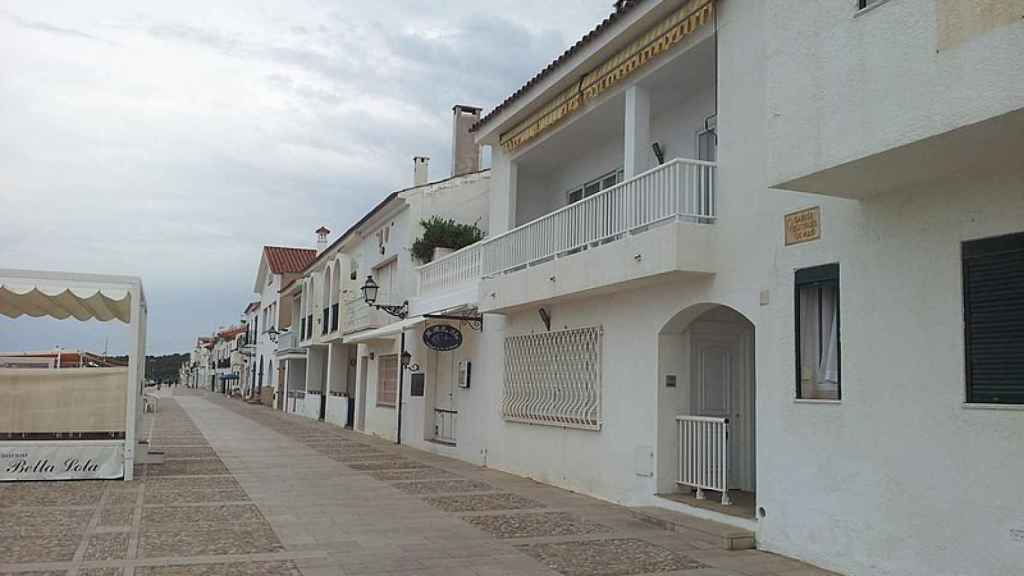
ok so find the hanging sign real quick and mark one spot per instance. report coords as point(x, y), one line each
point(442, 337)
point(61, 460)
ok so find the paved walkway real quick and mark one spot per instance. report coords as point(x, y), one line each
point(246, 490)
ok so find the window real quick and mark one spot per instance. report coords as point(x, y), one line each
point(554, 378)
point(387, 380)
point(594, 186)
point(817, 333)
point(993, 291)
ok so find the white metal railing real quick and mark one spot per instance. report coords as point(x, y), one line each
point(680, 189)
point(444, 424)
point(677, 189)
point(704, 454)
point(287, 340)
point(452, 271)
point(554, 378)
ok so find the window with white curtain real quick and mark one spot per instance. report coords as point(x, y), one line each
point(817, 333)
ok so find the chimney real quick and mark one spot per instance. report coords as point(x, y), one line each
point(420, 170)
point(321, 239)
point(465, 152)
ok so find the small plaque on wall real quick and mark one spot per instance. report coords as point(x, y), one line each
point(803, 226)
point(416, 384)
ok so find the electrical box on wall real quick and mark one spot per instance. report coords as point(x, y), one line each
point(465, 371)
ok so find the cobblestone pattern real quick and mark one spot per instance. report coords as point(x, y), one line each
point(481, 502)
point(611, 557)
point(535, 524)
point(454, 486)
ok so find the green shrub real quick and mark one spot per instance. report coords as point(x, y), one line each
point(443, 233)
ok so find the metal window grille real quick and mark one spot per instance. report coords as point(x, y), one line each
point(554, 378)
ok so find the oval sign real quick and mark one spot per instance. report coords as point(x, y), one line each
point(442, 337)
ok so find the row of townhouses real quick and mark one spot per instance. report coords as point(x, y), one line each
point(759, 262)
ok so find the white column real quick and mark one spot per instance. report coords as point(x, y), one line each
point(637, 154)
point(505, 186)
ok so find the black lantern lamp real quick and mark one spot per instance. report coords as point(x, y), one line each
point(370, 289)
point(406, 360)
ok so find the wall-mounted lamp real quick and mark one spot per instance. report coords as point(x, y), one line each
point(406, 360)
point(370, 289)
point(545, 317)
point(658, 152)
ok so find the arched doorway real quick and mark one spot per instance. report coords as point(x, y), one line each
point(706, 410)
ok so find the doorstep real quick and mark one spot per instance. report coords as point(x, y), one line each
point(732, 537)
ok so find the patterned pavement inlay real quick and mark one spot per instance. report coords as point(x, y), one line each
point(481, 502)
point(454, 486)
point(392, 464)
point(414, 474)
point(535, 524)
point(107, 547)
point(233, 569)
point(56, 547)
point(612, 557)
point(200, 517)
point(247, 540)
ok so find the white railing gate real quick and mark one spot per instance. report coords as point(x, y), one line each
point(704, 454)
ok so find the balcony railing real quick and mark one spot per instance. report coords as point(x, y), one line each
point(451, 272)
point(360, 316)
point(287, 341)
point(678, 190)
point(704, 454)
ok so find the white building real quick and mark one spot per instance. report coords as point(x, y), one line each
point(775, 230)
point(278, 267)
point(350, 374)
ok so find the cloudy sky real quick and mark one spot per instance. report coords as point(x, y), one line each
point(171, 140)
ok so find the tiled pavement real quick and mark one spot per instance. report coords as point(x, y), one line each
point(246, 490)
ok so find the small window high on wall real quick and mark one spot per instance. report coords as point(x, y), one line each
point(817, 333)
point(993, 286)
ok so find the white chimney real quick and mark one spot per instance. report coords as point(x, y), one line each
point(321, 239)
point(465, 152)
point(420, 170)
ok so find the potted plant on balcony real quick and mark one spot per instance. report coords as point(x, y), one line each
point(442, 236)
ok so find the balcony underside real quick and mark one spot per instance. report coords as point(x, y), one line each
point(992, 145)
point(636, 259)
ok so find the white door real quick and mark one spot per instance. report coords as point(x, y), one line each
point(720, 390)
point(445, 412)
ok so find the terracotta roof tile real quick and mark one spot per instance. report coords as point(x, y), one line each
point(288, 260)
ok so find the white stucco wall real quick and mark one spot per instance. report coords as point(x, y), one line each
point(843, 86)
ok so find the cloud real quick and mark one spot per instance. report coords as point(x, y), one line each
point(52, 29)
point(211, 129)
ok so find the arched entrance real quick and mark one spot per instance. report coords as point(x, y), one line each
point(706, 440)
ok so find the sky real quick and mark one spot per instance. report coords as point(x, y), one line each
point(172, 140)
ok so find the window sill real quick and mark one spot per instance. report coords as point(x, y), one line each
point(385, 405)
point(1010, 407)
point(815, 401)
point(869, 7)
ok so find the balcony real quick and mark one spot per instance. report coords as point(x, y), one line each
point(360, 316)
point(657, 222)
point(288, 345)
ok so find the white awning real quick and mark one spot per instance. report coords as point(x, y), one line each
point(58, 295)
point(386, 333)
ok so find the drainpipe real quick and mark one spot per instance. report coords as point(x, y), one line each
point(401, 379)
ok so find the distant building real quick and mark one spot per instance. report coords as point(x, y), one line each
point(55, 359)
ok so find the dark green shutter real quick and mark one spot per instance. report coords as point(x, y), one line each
point(993, 276)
